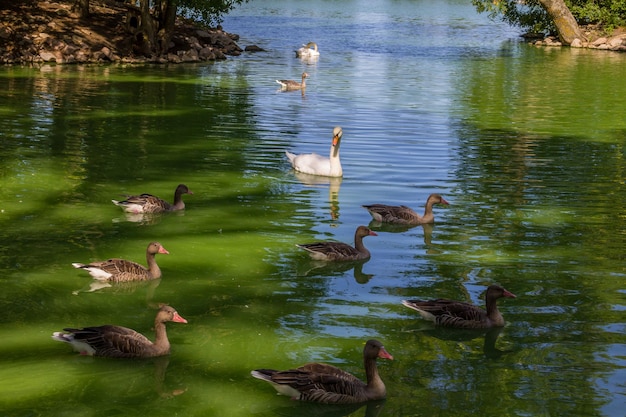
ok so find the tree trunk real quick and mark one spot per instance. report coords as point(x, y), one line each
point(167, 23)
point(563, 19)
point(146, 29)
point(82, 7)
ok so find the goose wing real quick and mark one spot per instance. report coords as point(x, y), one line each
point(112, 341)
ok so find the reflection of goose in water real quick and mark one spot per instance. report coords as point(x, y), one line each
point(122, 288)
point(464, 335)
point(334, 184)
point(323, 268)
point(305, 409)
point(160, 367)
point(308, 51)
point(144, 219)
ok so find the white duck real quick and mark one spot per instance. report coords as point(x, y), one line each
point(314, 164)
point(291, 85)
point(308, 51)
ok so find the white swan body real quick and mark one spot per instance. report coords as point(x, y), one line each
point(314, 164)
point(308, 51)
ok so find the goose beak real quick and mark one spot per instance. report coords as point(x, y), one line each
point(178, 318)
point(508, 294)
point(163, 251)
point(384, 354)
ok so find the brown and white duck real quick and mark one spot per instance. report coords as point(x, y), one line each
point(147, 203)
point(449, 313)
point(121, 342)
point(314, 164)
point(339, 251)
point(403, 214)
point(121, 270)
point(318, 382)
point(291, 85)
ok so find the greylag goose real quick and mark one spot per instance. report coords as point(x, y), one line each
point(403, 214)
point(449, 313)
point(339, 251)
point(318, 382)
point(121, 270)
point(147, 203)
point(291, 85)
point(314, 164)
point(308, 51)
point(121, 342)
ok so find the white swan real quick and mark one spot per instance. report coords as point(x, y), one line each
point(314, 164)
point(293, 85)
point(307, 52)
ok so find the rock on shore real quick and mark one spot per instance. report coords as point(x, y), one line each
point(36, 31)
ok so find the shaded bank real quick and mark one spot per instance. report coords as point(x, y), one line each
point(49, 31)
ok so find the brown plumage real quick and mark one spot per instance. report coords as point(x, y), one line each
point(121, 270)
point(403, 214)
point(449, 313)
point(121, 342)
point(147, 203)
point(293, 85)
point(338, 251)
point(318, 382)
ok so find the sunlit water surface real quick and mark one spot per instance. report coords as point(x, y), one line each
point(526, 144)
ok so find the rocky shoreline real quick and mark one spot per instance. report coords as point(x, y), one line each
point(595, 40)
point(38, 32)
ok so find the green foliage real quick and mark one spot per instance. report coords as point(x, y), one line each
point(209, 12)
point(609, 13)
point(531, 15)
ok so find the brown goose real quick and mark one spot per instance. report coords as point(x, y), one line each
point(318, 382)
point(147, 203)
point(338, 251)
point(403, 214)
point(449, 313)
point(291, 85)
point(121, 270)
point(121, 342)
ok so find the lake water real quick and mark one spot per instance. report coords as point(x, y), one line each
point(527, 145)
